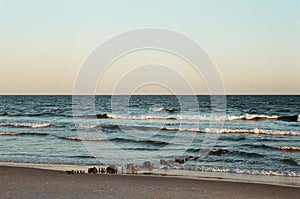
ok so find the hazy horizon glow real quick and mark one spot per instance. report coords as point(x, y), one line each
point(255, 44)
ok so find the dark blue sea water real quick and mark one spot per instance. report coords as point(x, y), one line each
point(256, 135)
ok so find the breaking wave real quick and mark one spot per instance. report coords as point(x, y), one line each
point(26, 125)
point(236, 131)
point(253, 117)
point(10, 134)
point(246, 117)
point(252, 131)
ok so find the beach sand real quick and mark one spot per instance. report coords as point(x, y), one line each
point(17, 182)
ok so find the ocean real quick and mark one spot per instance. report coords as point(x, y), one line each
point(252, 135)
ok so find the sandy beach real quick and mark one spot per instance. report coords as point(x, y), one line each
point(18, 182)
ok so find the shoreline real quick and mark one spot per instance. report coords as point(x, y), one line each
point(21, 182)
point(174, 173)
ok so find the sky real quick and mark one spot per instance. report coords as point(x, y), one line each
point(254, 44)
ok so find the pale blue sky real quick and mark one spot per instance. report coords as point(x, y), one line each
point(254, 43)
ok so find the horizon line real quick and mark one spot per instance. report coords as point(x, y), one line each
point(122, 94)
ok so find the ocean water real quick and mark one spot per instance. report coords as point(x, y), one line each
point(253, 135)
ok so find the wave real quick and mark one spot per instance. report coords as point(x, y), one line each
point(95, 139)
point(283, 148)
point(248, 154)
point(51, 110)
point(10, 134)
point(246, 117)
point(139, 149)
point(241, 171)
point(218, 151)
point(253, 117)
point(81, 126)
point(26, 125)
point(112, 116)
point(286, 148)
point(152, 142)
point(97, 116)
point(110, 127)
point(45, 113)
point(22, 134)
point(291, 118)
point(163, 109)
point(84, 139)
point(7, 113)
point(267, 173)
point(182, 129)
point(121, 140)
point(222, 151)
point(154, 118)
point(41, 125)
point(235, 131)
point(140, 128)
point(291, 161)
point(231, 138)
point(149, 117)
point(252, 131)
point(81, 156)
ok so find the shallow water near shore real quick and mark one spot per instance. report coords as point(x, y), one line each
point(223, 176)
point(257, 137)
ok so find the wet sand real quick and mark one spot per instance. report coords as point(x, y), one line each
point(17, 182)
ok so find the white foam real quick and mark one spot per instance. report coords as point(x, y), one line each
point(27, 125)
point(251, 117)
point(41, 125)
point(162, 117)
point(284, 148)
point(9, 134)
point(243, 171)
point(195, 117)
point(290, 148)
point(252, 131)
